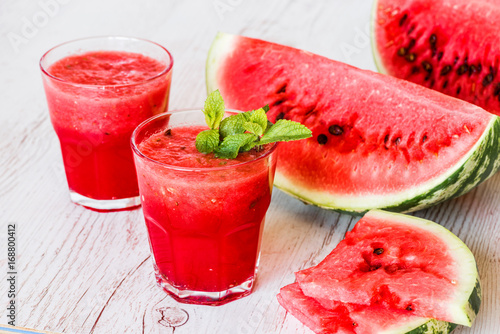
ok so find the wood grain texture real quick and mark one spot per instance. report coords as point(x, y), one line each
point(86, 272)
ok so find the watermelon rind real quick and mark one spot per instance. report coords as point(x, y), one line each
point(467, 296)
point(376, 55)
point(432, 326)
point(480, 162)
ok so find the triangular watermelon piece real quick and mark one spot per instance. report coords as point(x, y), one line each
point(352, 319)
point(378, 141)
point(400, 262)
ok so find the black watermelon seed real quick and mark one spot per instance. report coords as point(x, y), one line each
point(386, 139)
point(281, 115)
point(411, 57)
point(427, 66)
point(401, 52)
point(427, 77)
point(354, 324)
point(497, 89)
point(107, 133)
point(455, 61)
point(472, 69)
point(282, 89)
point(411, 29)
point(378, 251)
point(459, 89)
point(412, 43)
point(322, 139)
point(445, 84)
point(403, 19)
point(433, 39)
point(487, 80)
point(409, 308)
point(277, 103)
point(168, 132)
point(440, 55)
point(433, 50)
point(397, 141)
point(424, 138)
point(463, 69)
point(415, 70)
point(336, 130)
point(445, 70)
point(479, 68)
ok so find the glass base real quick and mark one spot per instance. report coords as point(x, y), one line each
point(206, 297)
point(105, 205)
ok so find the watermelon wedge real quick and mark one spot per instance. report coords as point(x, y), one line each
point(360, 319)
point(378, 141)
point(391, 274)
point(447, 45)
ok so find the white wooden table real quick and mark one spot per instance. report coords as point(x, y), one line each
point(81, 271)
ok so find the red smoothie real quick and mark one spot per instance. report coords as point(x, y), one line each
point(204, 215)
point(96, 99)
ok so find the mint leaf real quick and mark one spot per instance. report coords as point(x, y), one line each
point(244, 131)
point(249, 146)
point(232, 125)
point(254, 128)
point(285, 130)
point(259, 116)
point(207, 141)
point(214, 109)
point(230, 146)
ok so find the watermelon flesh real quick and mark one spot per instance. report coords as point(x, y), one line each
point(391, 274)
point(447, 45)
point(351, 319)
point(378, 142)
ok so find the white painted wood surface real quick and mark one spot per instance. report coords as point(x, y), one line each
point(86, 272)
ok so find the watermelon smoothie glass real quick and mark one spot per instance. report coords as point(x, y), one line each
point(204, 215)
point(98, 90)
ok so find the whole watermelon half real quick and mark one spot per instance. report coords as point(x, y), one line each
point(447, 45)
point(378, 141)
point(391, 274)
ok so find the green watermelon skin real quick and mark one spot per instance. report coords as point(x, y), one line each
point(447, 45)
point(319, 92)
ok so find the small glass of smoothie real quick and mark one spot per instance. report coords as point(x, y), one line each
point(98, 90)
point(204, 215)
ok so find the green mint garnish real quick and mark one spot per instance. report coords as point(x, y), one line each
point(214, 110)
point(207, 141)
point(241, 132)
point(231, 145)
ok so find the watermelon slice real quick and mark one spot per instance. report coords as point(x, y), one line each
point(447, 45)
point(378, 142)
point(400, 263)
point(360, 319)
point(391, 274)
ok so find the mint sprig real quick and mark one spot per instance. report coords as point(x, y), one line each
point(214, 109)
point(241, 132)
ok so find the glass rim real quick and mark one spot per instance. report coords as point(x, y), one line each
point(138, 152)
point(168, 67)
